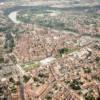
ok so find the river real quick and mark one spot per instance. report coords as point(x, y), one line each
point(12, 12)
point(13, 16)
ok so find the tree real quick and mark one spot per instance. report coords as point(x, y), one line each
point(89, 97)
point(9, 42)
point(75, 84)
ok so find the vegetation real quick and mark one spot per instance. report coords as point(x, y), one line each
point(97, 59)
point(87, 70)
point(65, 51)
point(76, 84)
point(1, 59)
point(13, 88)
point(48, 97)
point(96, 77)
point(26, 78)
point(89, 97)
point(61, 20)
point(9, 42)
point(28, 67)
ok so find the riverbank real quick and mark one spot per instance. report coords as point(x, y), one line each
point(13, 16)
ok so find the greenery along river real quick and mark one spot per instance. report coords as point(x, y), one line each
point(55, 18)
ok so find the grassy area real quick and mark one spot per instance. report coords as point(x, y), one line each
point(29, 67)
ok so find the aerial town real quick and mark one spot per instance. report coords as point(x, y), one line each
point(49, 49)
